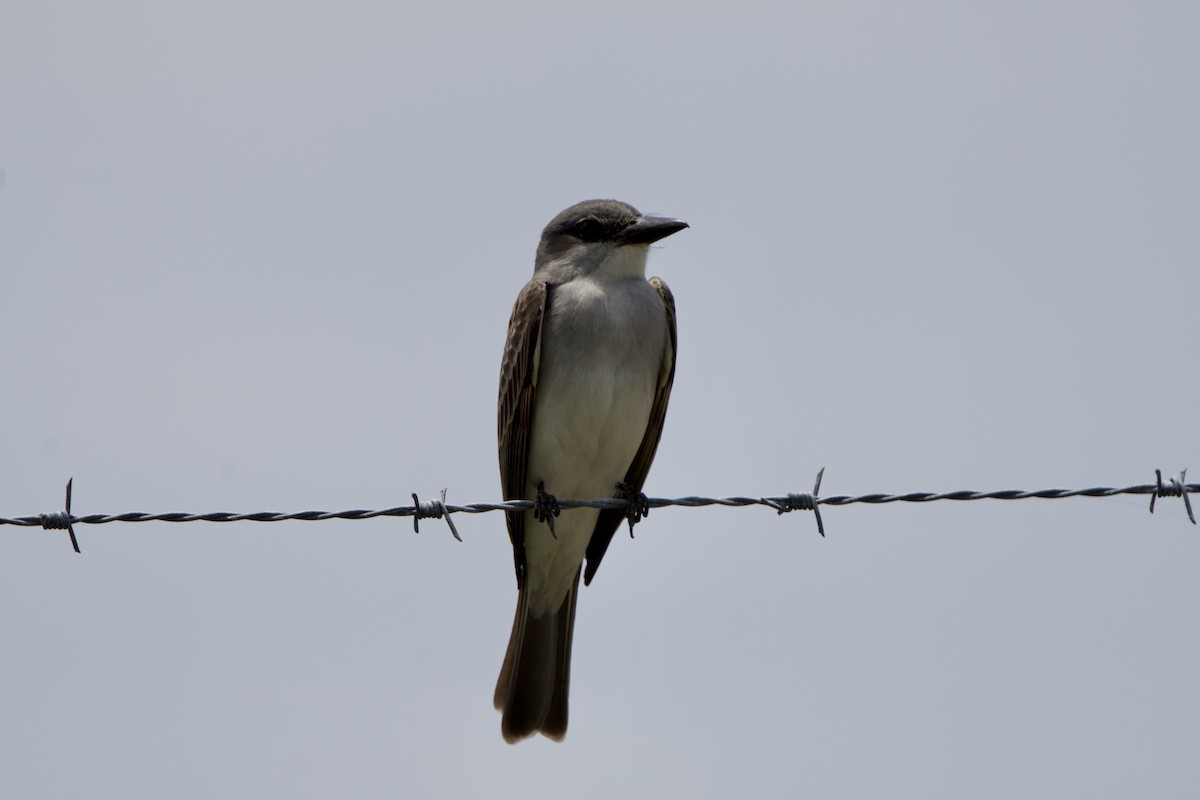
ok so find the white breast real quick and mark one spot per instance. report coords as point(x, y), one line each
point(603, 345)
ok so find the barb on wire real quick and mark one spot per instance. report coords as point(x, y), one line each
point(439, 509)
point(434, 509)
point(803, 502)
point(1175, 488)
point(61, 520)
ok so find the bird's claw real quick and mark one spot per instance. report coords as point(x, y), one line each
point(545, 508)
point(637, 505)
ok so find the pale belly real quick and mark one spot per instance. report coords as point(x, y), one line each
point(596, 386)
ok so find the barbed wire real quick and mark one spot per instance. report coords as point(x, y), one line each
point(440, 509)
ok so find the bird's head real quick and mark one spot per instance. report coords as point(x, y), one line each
point(600, 237)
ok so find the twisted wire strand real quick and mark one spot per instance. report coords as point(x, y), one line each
point(781, 504)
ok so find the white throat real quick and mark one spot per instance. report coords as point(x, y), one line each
point(624, 262)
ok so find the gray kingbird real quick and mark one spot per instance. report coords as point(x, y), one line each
point(584, 384)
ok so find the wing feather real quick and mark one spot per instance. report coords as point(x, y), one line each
point(518, 383)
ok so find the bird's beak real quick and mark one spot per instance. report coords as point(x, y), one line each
point(650, 229)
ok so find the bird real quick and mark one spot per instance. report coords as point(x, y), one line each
point(585, 380)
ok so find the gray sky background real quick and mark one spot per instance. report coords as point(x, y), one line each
point(261, 257)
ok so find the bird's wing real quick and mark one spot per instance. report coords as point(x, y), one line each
point(518, 383)
point(610, 518)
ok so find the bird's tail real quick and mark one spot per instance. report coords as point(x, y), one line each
point(533, 684)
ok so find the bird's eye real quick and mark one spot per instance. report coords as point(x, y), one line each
point(589, 229)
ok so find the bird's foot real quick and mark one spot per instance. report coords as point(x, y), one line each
point(545, 508)
point(637, 506)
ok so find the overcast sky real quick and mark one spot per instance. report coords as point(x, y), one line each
point(261, 256)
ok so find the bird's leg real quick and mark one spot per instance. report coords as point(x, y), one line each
point(637, 505)
point(545, 508)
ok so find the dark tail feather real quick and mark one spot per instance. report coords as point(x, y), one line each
point(536, 676)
